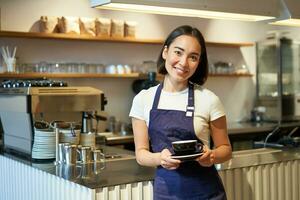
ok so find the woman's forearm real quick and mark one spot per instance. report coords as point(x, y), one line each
point(222, 154)
point(146, 158)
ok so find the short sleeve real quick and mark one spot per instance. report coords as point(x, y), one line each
point(137, 108)
point(217, 109)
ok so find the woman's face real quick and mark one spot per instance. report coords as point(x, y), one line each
point(182, 58)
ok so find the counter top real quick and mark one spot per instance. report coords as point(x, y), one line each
point(249, 127)
point(115, 138)
point(261, 156)
point(112, 172)
point(252, 127)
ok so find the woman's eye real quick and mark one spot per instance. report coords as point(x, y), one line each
point(194, 58)
point(178, 53)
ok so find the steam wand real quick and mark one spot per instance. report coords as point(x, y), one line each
point(275, 130)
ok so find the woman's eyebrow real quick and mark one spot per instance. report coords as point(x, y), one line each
point(193, 53)
point(179, 48)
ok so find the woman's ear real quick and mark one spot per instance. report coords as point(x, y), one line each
point(165, 52)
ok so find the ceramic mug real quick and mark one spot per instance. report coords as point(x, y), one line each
point(186, 147)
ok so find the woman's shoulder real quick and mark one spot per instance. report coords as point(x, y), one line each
point(146, 93)
point(142, 103)
point(207, 103)
point(204, 92)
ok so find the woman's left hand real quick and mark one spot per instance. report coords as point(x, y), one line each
point(208, 157)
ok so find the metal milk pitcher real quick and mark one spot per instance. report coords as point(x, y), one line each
point(70, 154)
point(85, 154)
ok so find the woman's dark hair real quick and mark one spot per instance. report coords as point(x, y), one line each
point(201, 72)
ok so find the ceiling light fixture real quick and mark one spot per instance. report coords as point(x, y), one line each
point(212, 9)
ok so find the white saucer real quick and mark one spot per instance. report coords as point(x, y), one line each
point(187, 157)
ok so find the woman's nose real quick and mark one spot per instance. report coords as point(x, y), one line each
point(183, 61)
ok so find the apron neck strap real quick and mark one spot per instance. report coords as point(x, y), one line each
point(157, 96)
point(190, 105)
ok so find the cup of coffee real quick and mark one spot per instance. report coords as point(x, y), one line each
point(186, 147)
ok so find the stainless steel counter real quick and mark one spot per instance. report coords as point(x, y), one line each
point(123, 171)
point(260, 156)
point(254, 174)
point(245, 176)
point(251, 127)
point(235, 128)
point(120, 170)
point(115, 138)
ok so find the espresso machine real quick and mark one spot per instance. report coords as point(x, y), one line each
point(21, 107)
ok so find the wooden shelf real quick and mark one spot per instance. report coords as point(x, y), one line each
point(60, 36)
point(67, 75)
point(73, 75)
point(231, 75)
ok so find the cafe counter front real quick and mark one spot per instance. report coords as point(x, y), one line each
point(251, 174)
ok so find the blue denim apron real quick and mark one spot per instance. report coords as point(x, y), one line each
point(190, 180)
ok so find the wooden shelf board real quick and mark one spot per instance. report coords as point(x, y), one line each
point(60, 36)
point(67, 75)
point(73, 75)
point(231, 75)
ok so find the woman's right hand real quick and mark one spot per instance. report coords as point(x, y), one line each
point(167, 162)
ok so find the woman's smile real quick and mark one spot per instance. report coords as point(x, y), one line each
point(180, 70)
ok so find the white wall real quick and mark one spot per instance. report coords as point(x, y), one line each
point(237, 94)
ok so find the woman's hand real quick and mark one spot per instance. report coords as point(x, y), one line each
point(167, 162)
point(208, 157)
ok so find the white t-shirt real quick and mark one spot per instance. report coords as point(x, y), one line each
point(208, 107)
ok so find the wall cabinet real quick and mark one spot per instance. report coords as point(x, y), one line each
point(59, 36)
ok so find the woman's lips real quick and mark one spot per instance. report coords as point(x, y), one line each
point(180, 70)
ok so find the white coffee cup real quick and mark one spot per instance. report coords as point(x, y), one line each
point(120, 69)
point(110, 69)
